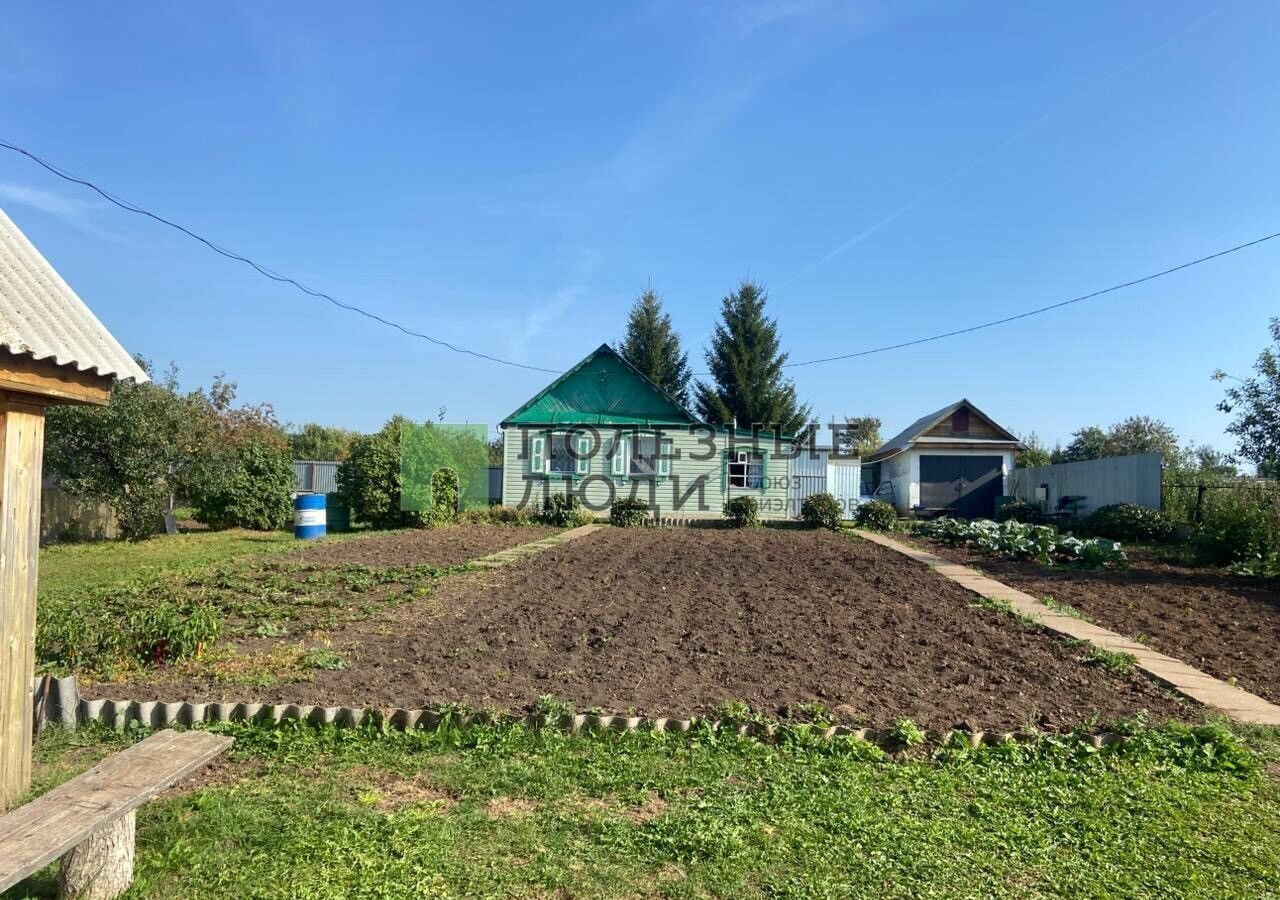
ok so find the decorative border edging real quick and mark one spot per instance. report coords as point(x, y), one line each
point(72, 712)
point(1190, 682)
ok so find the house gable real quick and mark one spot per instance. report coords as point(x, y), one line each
point(603, 389)
point(959, 423)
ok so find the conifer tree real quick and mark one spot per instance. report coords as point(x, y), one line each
point(653, 347)
point(746, 369)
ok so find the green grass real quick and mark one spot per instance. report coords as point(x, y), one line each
point(1116, 661)
point(327, 813)
point(68, 568)
point(1004, 607)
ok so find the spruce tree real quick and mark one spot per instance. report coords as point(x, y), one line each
point(746, 368)
point(653, 347)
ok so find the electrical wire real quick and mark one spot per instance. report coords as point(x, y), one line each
point(260, 269)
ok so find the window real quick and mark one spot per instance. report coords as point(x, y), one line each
point(960, 421)
point(746, 469)
point(561, 453)
point(650, 456)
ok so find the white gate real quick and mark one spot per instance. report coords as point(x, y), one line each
point(844, 479)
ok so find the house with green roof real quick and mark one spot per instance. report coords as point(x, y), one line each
point(603, 431)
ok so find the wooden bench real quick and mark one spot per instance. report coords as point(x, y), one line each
point(90, 820)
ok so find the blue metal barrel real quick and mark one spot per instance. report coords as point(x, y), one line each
point(308, 517)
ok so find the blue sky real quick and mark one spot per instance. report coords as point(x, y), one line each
point(508, 177)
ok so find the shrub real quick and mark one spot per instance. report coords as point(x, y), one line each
point(1240, 531)
point(876, 515)
point(444, 496)
point(564, 511)
point(742, 512)
point(1130, 522)
point(1018, 511)
point(249, 485)
point(497, 515)
point(629, 512)
point(821, 511)
point(369, 481)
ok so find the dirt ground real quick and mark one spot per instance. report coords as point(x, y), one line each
point(1223, 624)
point(679, 621)
point(433, 547)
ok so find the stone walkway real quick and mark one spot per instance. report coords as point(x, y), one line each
point(520, 551)
point(1186, 680)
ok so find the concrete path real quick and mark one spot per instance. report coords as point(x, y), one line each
point(520, 551)
point(1190, 682)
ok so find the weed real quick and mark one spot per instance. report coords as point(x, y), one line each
point(1115, 661)
point(321, 658)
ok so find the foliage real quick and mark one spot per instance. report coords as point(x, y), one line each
point(1036, 454)
point(564, 511)
point(1130, 522)
point(1136, 434)
point(444, 496)
point(321, 442)
point(876, 515)
point(859, 436)
point(131, 454)
point(426, 449)
point(745, 363)
point(821, 511)
point(742, 512)
point(629, 512)
point(1115, 661)
point(511, 811)
point(1240, 529)
point(369, 480)
point(496, 452)
point(1018, 511)
point(1018, 540)
point(321, 658)
point(653, 347)
point(496, 515)
point(245, 482)
point(1255, 402)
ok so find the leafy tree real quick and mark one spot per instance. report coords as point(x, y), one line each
point(859, 436)
point(746, 368)
point(242, 475)
point(369, 480)
point(321, 442)
point(653, 347)
point(495, 451)
point(1136, 434)
point(1256, 404)
point(1036, 454)
point(131, 454)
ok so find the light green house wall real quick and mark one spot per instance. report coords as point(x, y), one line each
point(689, 448)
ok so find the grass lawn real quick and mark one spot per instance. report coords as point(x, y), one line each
point(302, 812)
point(67, 568)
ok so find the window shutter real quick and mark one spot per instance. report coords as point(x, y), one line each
point(664, 458)
point(538, 452)
point(619, 462)
point(584, 454)
point(764, 471)
point(724, 470)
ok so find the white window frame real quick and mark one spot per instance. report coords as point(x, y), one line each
point(567, 437)
point(748, 460)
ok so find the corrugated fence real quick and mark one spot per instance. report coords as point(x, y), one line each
point(312, 476)
point(1101, 482)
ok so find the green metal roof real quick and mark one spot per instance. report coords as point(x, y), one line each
point(603, 389)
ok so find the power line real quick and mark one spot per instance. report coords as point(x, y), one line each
point(262, 270)
point(1043, 309)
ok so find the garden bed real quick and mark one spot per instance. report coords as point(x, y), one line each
point(1226, 625)
point(438, 547)
point(680, 621)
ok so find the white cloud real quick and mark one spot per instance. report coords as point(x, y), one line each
point(73, 211)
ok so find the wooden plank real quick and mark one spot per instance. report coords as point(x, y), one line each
point(21, 452)
point(36, 834)
point(52, 382)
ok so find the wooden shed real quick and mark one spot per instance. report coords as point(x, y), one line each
point(52, 350)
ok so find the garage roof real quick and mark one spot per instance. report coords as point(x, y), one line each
point(914, 433)
point(41, 316)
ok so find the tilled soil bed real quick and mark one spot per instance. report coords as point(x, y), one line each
point(1225, 625)
point(677, 622)
point(441, 547)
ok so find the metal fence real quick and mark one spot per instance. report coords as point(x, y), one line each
point(1100, 482)
point(312, 476)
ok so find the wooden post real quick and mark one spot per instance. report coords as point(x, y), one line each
point(21, 452)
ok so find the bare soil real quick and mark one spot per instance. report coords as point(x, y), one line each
point(1226, 625)
point(679, 621)
point(440, 547)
